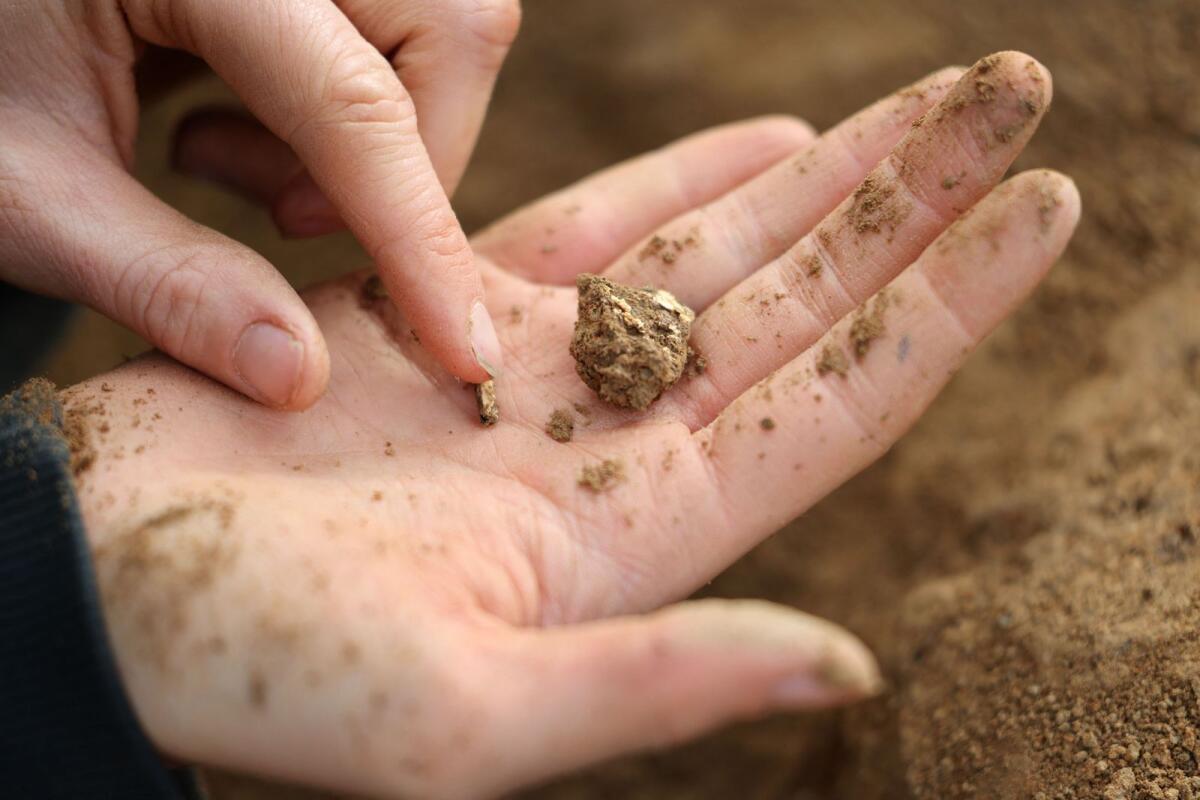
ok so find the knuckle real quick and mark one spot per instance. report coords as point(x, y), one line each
point(359, 89)
point(435, 231)
point(162, 295)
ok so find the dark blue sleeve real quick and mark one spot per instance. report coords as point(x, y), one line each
point(67, 729)
point(30, 327)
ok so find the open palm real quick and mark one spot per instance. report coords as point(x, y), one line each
point(380, 595)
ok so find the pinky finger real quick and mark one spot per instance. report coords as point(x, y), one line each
point(795, 437)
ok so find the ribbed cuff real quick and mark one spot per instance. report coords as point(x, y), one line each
point(67, 729)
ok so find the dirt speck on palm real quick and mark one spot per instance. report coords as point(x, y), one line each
point(561, 425)
point(630, 344)
point(603, 476)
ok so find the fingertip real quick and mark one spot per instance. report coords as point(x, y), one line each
point(1021, 71)
point(1053, 197)
point(784, 128)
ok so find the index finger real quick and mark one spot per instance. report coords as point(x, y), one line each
point(304, 70)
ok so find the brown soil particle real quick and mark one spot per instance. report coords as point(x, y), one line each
point(868, 325)
point(76, 430)
point(630, 344)
point(833, 359)
point(603, 476)
point(653, 247)
point(767, 424)
point(697, 364)
point(257, 690)
point(876, 207)
point(485, 396)
point(561, 425)
point(372, 292)
point(813, 266)
point(668, 251)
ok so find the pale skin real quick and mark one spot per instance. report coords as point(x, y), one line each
point(336, 90)
point(380, 596)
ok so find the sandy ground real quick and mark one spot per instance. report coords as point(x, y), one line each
point(1026, 561)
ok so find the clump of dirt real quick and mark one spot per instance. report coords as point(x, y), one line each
point(868, 324)
point(833, 359)
point(561, 425)
point(372, 291)
point(485, 397)
point(877, 207)
point(630, 345)
point(668, 251)
point(603, 476)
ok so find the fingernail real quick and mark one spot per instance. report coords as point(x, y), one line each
point(269, 360)
point(484, 342)
point(844, 671)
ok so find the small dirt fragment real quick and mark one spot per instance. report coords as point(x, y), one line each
point(833, 359)
point(868, 325)
point(561, 425)
point(949, 182)
point(767, 424)
point(876, 206)
point(653, 247)
point(485, 396)
point(603, 476)
point(79, 440)
point(372, 292)
point(630, 345)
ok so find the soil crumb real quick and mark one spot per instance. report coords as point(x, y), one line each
point(876, 207)
point(869, 324)
point(561, 425)
point(833, 359)
point(603, 476)
point(630, 345)
point(372, 292)
point(485, 395)
point(668, 251)
point(767, 424)
point(79, 439)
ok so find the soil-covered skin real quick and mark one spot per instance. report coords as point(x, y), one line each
point(1020, 561)
point(630, 344)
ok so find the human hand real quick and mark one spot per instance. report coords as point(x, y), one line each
point(381, 596)
point(76, 225)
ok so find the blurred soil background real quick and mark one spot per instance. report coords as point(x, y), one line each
point(1025, 562)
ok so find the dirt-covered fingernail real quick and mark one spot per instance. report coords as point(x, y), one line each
point(485, 345)
point(269, 360)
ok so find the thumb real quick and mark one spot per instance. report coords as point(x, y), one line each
point(594, 691)
point(97, 236)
